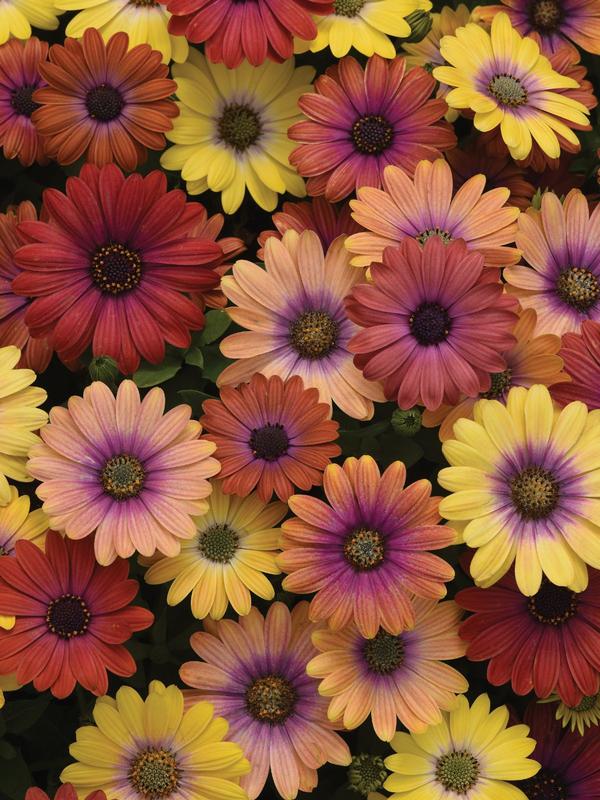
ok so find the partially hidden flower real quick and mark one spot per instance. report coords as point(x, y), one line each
point(586, 714)
point(581, 355)
point(17, 17)
point(64, 792)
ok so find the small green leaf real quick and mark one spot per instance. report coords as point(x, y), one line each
point(194, 357)
point(154, 374)
point(20, 715)
point(194, 398)
point(216, 324)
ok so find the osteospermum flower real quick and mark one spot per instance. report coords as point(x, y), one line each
point(8, 683)
point(366, 548)
point(581, 355)
point(255, 675)
point(64, 792)
point(152, 748)
point(523, 482)
point(17, 17)
point(586, 714)
point(103, 102)
point(231, 133)
point(361, 121)
point(367, 773)
point(272, 435)
point(72, 617)
point(296, 320)
point(392, 677)
point(471, 753)
point(236, 542)
point(425, 206)
point(504, 79)
point(561, 277)
point(109, 266)
point(422, 317)
point(124, 469)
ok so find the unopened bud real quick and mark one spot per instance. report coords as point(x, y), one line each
point(406, 423)
point(420, 24)
point(104, 368)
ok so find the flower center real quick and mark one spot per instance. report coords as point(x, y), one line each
point(21, 101)
point(269, 442)
point(154, 773)
point(507, 90)
point(578, 288)
point(429, 324)
point(218, 543)
point(4, 551)
point(364, 549)
point(501, 383)
point(546, 15)
point(239, 126)
point(123, 477)
point(366, 773)
point(104, 103)
point(552, 605)
point(347, 8)
point(116, 268)
point(457, 771)
point(534, 492)
point(68, 616)
point(443, 235)
point(314, 334)
point(384, 653)
point(546, 785)
point(271, 699)
point(144, 3)
point(588, 703)
point(372, 134)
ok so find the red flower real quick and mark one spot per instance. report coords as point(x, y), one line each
point(64, 792)
point(581, 354)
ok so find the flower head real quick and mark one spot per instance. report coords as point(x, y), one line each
point(17, 17)
point(581, 355)
point(366, 773)
point(585, 714)
point(64, 792)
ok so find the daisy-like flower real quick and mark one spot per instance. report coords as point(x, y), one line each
point(523, 482)
point(17, 17)
point(152, 748)
point(532, 359)
point(72, 617)
point(272, 435)
point(64, 792)
point(103, 102)
point(254, 674)
point(124, 469)
point(231, 133)
point(586, 714)
point(8, 683)
point(144, 21)
point(367, 548)
point(504, 79)
point(392, 677)
point(425, 206)
point(422, 315)
point(367, 773)
point(581, 355)
point(109, 265)
point(296, 320)
point(359, 121)
point(236, 542)
point(561, 277)
point(470, 754)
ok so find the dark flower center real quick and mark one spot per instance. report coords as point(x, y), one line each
point(430, 324)
point(501, 383)
point(457, 771)
point(384, 653)
point(443, 235)
point(507, 90)
point(578, 288)
point(154, 773)
point(546, 785)
point(239, 126)
point(545, 15)
point(21, 100)
point(4, 551)
point(271, 699)
point(372, 134)
point(366, 773)
point(587, 703)
point(347, 8)
point(144, 3)
point(364, 549)
point(314, 334)
point(104, 103)
point(534, 492)
point(269, 442)
point(68, 616)
point(116, 268)
point(552, 605)
point(123, 477)
point(218, 543)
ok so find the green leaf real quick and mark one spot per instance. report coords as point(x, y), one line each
point(20, 715)
point(194, 398)
point(16, 778)
point(194, 357)
point(154, 374)
point(216, 324)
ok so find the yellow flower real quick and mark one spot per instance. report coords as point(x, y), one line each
point(232, 129)
point(18, 16)
point(142, 749)
point(581, 716)
point(143, 22)
point(236, 542)
point(470, 753)
point(8, 683)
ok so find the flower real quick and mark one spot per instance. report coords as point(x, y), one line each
point(8, 683)
point(532, 359)
point(109, 266)
point(140, 747)
point(64, 792)
point(123, 469)
point(35, 353)
point(470, 753)
point(359, 121)
point(505, 80)
point(144, 21)
point(561, 279)
point(366, 773)
point(236, 542)
point(584, 715)
point(364, 550)
point(72, 617)
point(271, 435)
point(581, 355)
point(522, 478)
point(254, 673)
point(103, 102)
point(20, 417)
point(392, 676)
point(424, 207)
point(296, 323)
point(231, 133)
point(18, 16)
point(422, 317)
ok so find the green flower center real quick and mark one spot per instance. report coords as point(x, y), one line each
point(239, 126)
point(552, 605)
point(507, 90)
point(546, 785)
point(372, 134)
point(154, 774)
point(457, 771)
point(501, 383)
point(366, 773)
point(364, 549)
point(588, 703)
point(271, 699)
point(347, 8)
point(578, 288)
point(534, 492)
point(545, 15)
point(270, 442)
point(425, 235)
point(22, 102)
point(116, 268)
point(123, 477)
point(314, 334)
point(218, 543)
point(384, 653)
point(144, 3)
point(104, 103)
point(68, 616)
point(429, 324)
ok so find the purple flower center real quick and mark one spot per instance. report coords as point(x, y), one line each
point(123, 477)
point(507, 90)
point(457, 771)
point(68, 616)
point(364, 549)
point(372, 134)
point(384, 653)
point(104, 103)
point(552, 605)
point(546, 785)
point(116, 268)
point(269, 442)
point(545, 15)
point(314, 334)
point(218, 543)
point(578, 288)
point(154, 774)
point(430, 324)
point(500, 384)
point(534, 492)
point(239, 126)
point(22, 102)
point(271, 699)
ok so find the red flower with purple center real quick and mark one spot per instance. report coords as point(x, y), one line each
point(581, 355)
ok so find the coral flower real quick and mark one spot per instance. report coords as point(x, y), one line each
point(294, 310)
point(64, 792)
point(72, 617)
point(109, 267)
point(272, 435)
point(254, 674)
point(364, 550)
point(124, 469)
point(392, 677)
point(18, 16)
point(524, 480)
point(425, 206)
point(422, 317)
point(581, 355)
point(103, 102)
point(585, 714)
point(359, 121)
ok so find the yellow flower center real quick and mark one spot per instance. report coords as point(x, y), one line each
point(218, 543)
point(271, 699)
point(239, 126)
point(364, 549)
point(123, 477)
point(154, 774)
point(68, 616)
point(384, 653)
point(545, 15)
point(347, 8)
point(578, 288)
point(534, 492)
point(552, 605)
point(314, 334)
point(457, 771)
point(507, 90)
point(116, 268)
point(372, 134)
